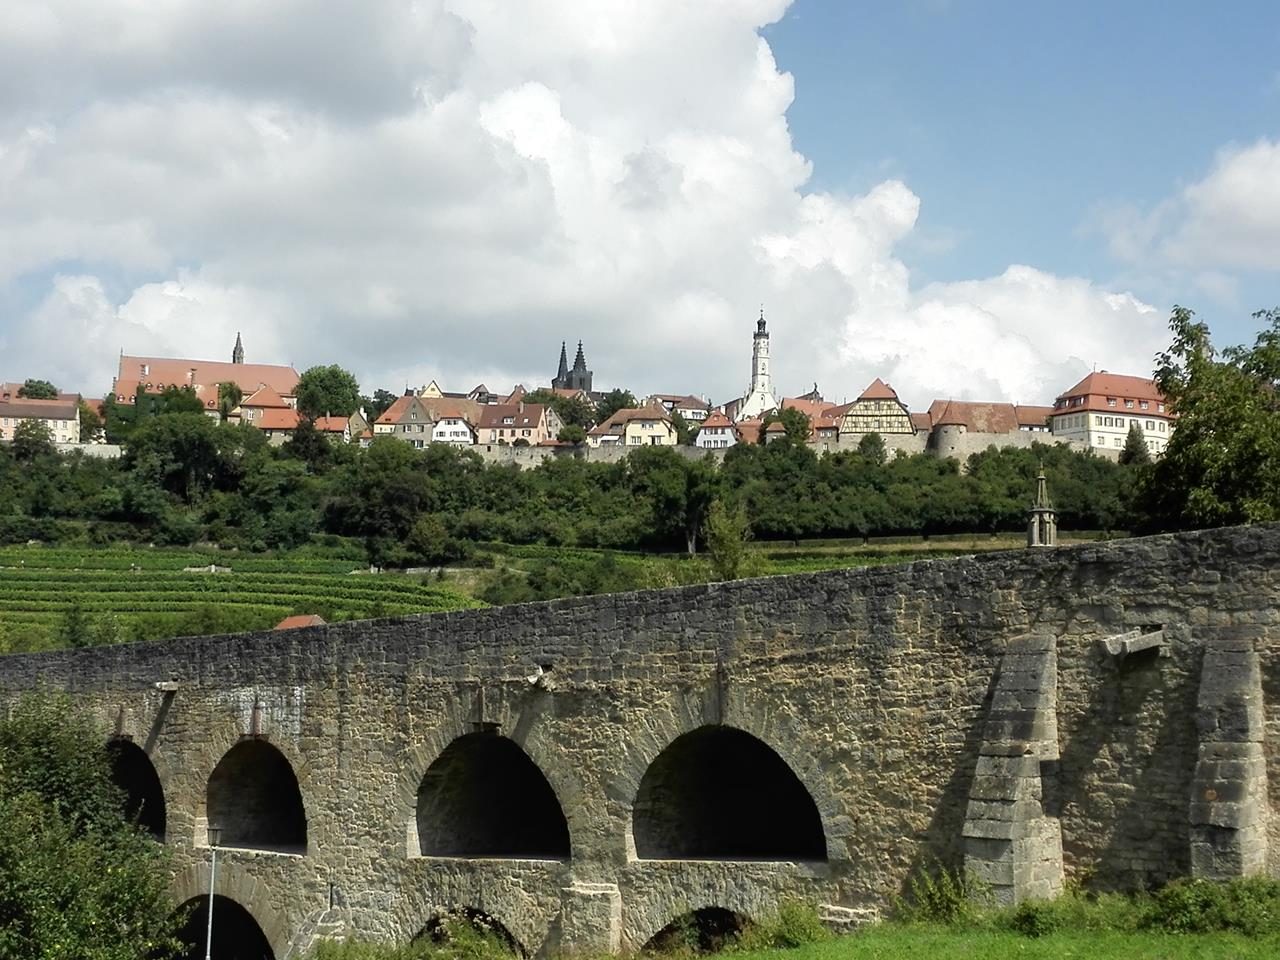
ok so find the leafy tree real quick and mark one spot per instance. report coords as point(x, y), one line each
point(169, 400)
point(685, 431)
point(796, 422)
point(327, 392)
point(727, 532)
point(378, 404)
point(38, 390)
point(1222, 462)
point(872, 447)
point(32, 439)
point(572, 411)
point(91, 424)
point(1135, 451)
point(176, 451)
point(76, 880)
point(572, 433)
point(612, 402)
point(229, 397)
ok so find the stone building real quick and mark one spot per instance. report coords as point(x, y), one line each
point(1099, 410)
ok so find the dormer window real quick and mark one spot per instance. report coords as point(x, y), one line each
point(1128, 404)
point(1111, 401)
point(146, 369)
point(508, 421)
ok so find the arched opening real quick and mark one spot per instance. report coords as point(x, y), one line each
point(708, 930)
point(236, 935)
point(254, 798)
point(718, 793)
point(471, 932)
point(484, 797)
point(135, 775)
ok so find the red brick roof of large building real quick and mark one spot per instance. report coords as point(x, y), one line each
point(1108, 391)
point(156, 373)
point(277, 418)
point(715, 419)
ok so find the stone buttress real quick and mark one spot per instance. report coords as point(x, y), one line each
point(1010, 844)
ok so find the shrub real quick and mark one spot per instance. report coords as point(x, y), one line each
point(940, 894)
point(1036, 918)
point(796, 924)
point(1250, 906)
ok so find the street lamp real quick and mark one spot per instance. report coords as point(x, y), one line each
point(215, 834)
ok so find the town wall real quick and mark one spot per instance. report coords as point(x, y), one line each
point(1108, 713)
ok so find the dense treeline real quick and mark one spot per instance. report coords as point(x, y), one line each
point(185, 480)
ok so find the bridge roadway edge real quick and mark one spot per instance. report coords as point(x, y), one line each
point(874, 686)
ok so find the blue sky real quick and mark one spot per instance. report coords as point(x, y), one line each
point(1017, 122)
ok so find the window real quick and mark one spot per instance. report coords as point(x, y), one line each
point(413, 414)
point(1102, 441)
point(509, 421)
point(1162, 426)
point(1142, 404)
point(1128, 404)
point(1111, 401)
point(1118, 442)
point(1160, 408)
point(524, 433)
point(1105, 422)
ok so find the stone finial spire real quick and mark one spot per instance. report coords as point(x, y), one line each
point(580, 361)
point(1042, 528)
point(237, 352)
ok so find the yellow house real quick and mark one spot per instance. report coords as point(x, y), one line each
point(635, 427)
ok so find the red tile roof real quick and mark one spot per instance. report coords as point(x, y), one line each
point(1096, 389)
point(331, 424)
point(274, 418)
point(878, 390)
point(264, 397)
point(976, 417)
point(300, 620)
point(40, 409)
point(521, 414)
point(715, 419)
point(1032, 416)
point(164, 372)
point(922, 421)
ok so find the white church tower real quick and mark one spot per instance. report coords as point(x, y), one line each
point(759, 399)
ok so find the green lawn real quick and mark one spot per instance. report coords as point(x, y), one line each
point(893, 942)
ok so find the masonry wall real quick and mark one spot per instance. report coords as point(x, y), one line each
point(874, 686)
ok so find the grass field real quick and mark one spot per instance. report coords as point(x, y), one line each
point(893, 942)
point(139, 593)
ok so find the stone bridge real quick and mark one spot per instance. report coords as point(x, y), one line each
point(585, 771)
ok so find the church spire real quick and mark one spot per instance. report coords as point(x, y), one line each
point(563, 374)
point(580, 361)
point(237, 352)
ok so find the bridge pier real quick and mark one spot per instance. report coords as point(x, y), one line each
point(591, 919)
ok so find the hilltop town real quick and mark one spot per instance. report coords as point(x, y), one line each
point(529, 425)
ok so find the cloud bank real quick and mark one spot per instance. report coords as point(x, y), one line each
point(447, 188)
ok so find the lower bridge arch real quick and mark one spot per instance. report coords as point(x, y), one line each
point(447, 925)
point(719, 793)
point(705, 930)
point(235, 934)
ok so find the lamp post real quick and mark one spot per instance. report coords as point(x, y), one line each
point(215, 834)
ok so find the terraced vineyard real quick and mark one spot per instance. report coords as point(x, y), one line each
point(148, 593)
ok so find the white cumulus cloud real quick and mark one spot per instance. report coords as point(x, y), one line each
point(447, 188)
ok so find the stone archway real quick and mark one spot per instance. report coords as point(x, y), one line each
point(719, 793)
point(444, 927)
point(705, 930)
point(483, 797)
point(253, 796)
point(236, 934)
point(134, 773)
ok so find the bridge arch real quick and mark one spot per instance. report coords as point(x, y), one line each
point(236, 934)
point(707, 929)
point(440, 928)
point(235, 885)
point(720, 793)
point(483, 797)
point(254, 797)
point(517, 723)
point(136, 776)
